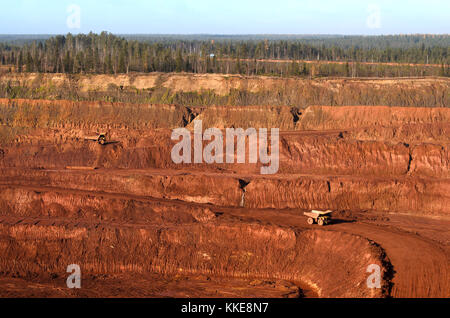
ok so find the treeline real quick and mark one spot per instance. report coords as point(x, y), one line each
point(110, 54)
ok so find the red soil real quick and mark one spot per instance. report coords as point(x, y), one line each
point(141, 225)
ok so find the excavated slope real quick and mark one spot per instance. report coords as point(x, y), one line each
point(323, 91)
point(168, 240)
point(139, 213)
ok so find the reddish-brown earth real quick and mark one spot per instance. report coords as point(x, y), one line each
point(141, 226)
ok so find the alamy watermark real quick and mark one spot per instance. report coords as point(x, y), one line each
point(374, 279)
point(74, 19)
point(374, 18)
point(74, 279)
point(213, 152)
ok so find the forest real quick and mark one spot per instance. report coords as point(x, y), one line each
point(308, 56)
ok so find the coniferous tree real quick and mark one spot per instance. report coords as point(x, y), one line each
point(106, 53)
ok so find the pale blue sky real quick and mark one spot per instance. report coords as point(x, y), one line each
point(228, 16)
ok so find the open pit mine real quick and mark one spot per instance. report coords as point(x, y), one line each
point(92, 183)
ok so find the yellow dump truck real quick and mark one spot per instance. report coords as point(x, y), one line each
point(319, 217)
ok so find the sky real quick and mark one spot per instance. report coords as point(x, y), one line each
point(369, 17)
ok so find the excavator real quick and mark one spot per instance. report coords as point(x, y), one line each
point(101, 138)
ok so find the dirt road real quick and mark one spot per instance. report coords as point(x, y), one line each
point(421, 266)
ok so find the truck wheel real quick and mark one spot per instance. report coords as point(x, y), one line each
point(310, 221)
point(320, 222)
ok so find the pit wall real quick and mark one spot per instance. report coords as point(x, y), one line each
point(347, 117)
point(281, 117)
point(404, 195)
point(297, 92)
point(334, 264)
point(83, 114)
point(422, 196)
point(305, 153)
point(37, 113)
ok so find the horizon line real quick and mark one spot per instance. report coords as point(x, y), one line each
point(236, 34)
